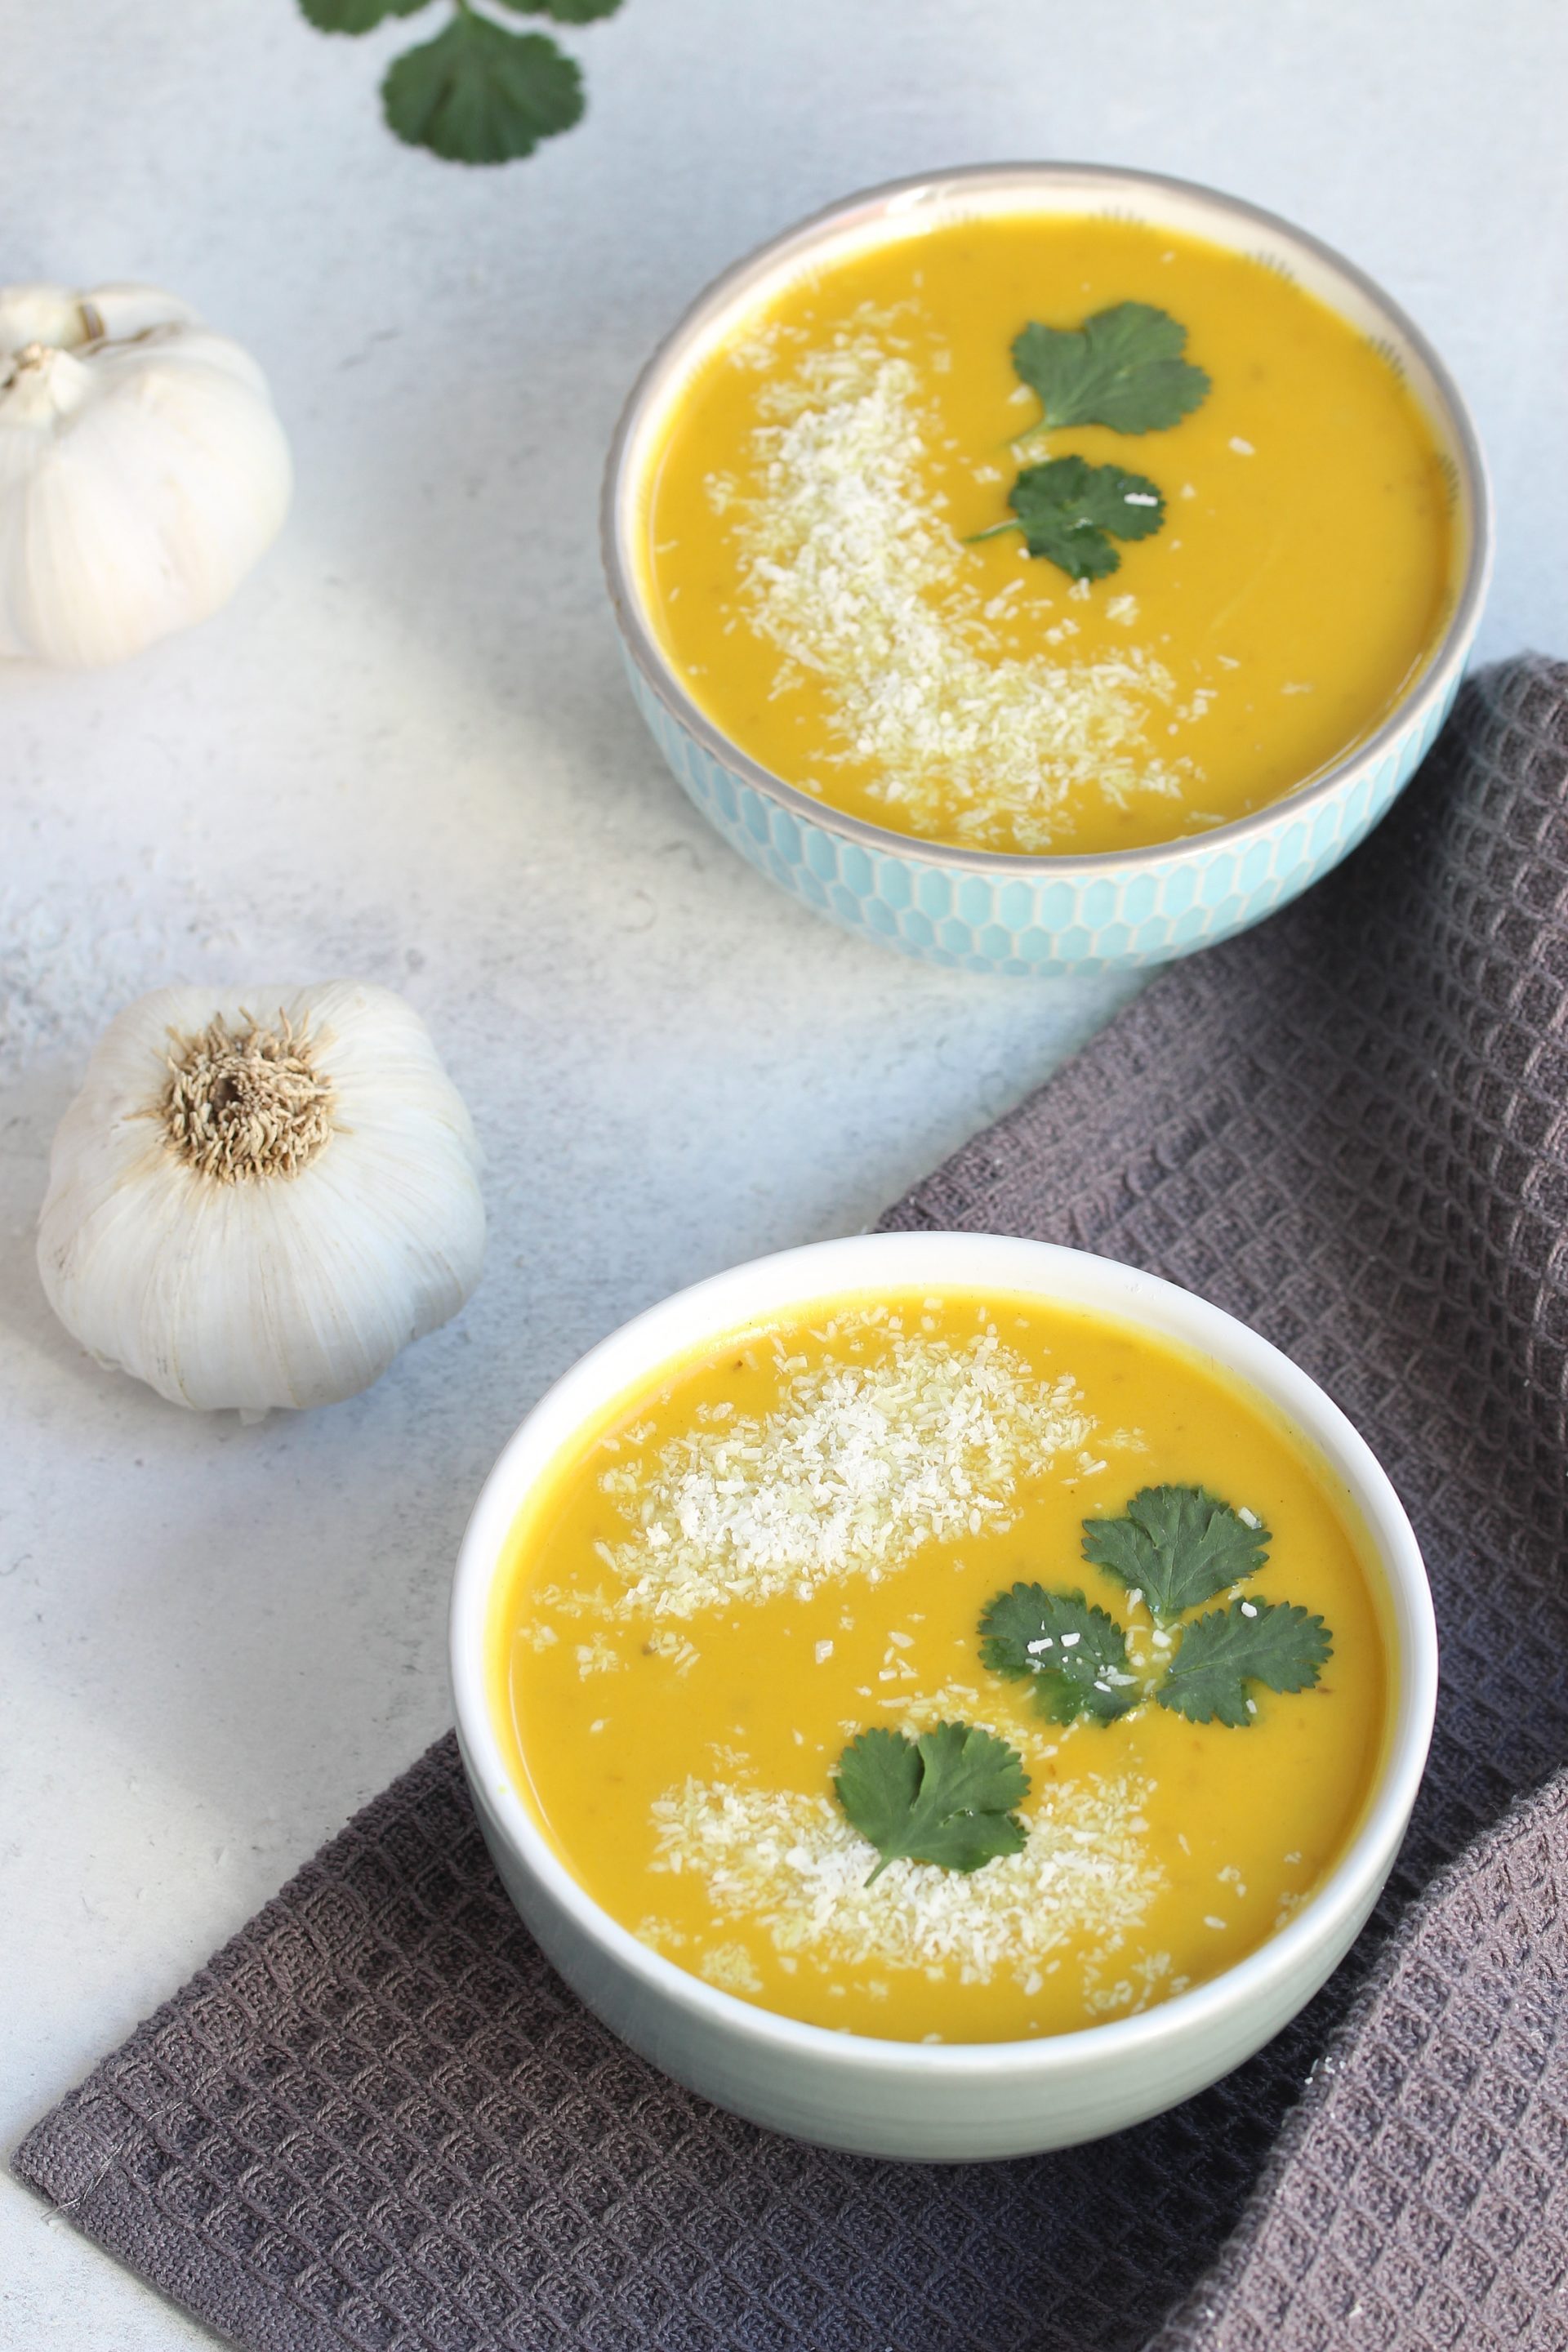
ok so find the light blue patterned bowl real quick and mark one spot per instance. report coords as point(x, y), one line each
point(979, 909)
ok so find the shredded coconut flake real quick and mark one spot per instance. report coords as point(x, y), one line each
point(792, 1867)
point(850, 567)
point(731, 1967)
point(858, 1466)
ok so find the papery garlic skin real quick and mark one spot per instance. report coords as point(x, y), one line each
point(268, 1288)
point(142, 470)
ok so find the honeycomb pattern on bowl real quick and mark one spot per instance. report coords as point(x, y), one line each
point(1143, 909)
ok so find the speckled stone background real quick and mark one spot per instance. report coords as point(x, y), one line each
point(407, 752)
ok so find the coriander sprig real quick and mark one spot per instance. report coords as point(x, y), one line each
point(1177, 1546)
point(1073, 1654)
point(1070, 512)
point(946, 1796)
point(1173, 1547)
point(1123, 369)
point(1272, 1643)
point(479, 92)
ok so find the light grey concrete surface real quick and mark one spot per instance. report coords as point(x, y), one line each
point(406, 752)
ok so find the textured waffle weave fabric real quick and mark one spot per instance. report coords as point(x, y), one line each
point(377, 2120)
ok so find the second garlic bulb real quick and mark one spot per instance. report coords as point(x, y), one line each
point(260, 1195)
point(142, 470)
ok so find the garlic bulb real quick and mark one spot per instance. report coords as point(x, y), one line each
point(260, 1196)
point(142, 470)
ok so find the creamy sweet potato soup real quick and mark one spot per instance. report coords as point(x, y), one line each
point(941, 1667)
point(1047, 534)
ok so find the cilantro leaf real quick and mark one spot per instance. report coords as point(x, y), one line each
point(564, 12)
point(1177, 1546)
point(1075, 1655)
point(479, 94)
point(945, 1798)
point(1066, 507)
point(1272, 1643)
point(1123, 368)
point(355, 15)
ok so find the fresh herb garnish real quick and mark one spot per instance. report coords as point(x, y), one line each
point(1177, 1546)
point(1174, 1548)
point(1074, 1654)
point(1272, 1643)
point(1123, 368)
point(478, 92)
point(1066, 507)
point(944, 1798)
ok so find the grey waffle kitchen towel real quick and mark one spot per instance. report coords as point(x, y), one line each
point(377, 2120)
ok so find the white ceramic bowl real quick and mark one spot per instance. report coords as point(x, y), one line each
point(986, 910)
point(909, 2100)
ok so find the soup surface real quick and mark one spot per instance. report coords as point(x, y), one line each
point(792, 1542)
point(812, 566)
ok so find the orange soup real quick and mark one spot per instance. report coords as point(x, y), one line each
point(942, 1668)
point(890, 576)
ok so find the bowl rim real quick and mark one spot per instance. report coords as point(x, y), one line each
point(789, 1279)
point(1427, 689)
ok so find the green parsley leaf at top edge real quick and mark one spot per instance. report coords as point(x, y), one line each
point(355, 15)
point(479, 94)
point(1271, 1642)
point(945, 1798)
point(1073, 1654)
point(1123, 368)
point(1067, 507)
point(1178, 1546)
point(564, 12)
